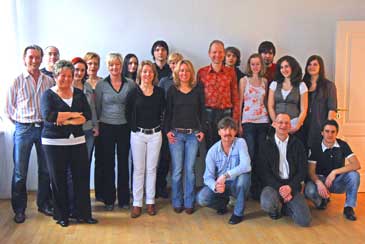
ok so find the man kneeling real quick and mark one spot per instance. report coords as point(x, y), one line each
point(227, 172)
point(328, 172)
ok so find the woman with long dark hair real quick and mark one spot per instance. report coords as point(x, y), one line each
point(130, 65)
point(322, 99)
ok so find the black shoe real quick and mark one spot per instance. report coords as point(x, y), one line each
point(88, 221)
point(47, 210)
point(109, 207)
point(235, 219)
point(222, 211)
point(63, 223)
point(323, 204)
point(19, 218)
point(349, 213)
point(275, 215)
point(124, 206)
point(162, 192)
point(99, 199)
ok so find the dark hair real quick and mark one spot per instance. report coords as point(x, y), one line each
point(215, 42)
point(321, 85)
point(236, 52)
point(35, 47)
point(296, 71)
point(267, 46)
point(330, 122)
point(125, 71)
point(227, 122)
point(159, 43)
point(77, 60)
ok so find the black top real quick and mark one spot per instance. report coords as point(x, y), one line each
point(51, 104)
point(239, 74)
point(269, 163)
point(145, 111)
point(330, 159)
point(46, 72)
point(185, 110)
point(164, 72)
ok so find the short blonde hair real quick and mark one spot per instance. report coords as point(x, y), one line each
point(175, 57)
point(113, 56)
point(248, 67)
point(139, 72)
point(91, 55)
point(192, 80)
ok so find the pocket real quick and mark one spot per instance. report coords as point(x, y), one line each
point(21, 129)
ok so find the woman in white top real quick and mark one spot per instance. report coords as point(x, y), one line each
point(255, 118)
point(289, 94)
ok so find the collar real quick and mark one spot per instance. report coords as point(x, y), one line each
point(324, 147)
point(220, 148)
point(278, 141)
point(210, 69)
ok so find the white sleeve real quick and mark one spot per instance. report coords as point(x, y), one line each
point(302, 88)
point(273, 85)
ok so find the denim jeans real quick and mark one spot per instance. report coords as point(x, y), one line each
point(237, 188)
point(254, 134)
point(25, 136)
point(271, 202)
point(347, 182)
point(183, 156)
point(145, 150)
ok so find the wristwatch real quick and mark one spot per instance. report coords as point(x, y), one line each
point(227, 175)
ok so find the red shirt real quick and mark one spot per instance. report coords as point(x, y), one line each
point(220, 88)
point(270, 73)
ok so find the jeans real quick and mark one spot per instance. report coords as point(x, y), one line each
point(271, 202)
point(237, 188)
point(213, 117)
point(347, 182)
point(145, 151)
point(183, 155)
point(254, 134)
point(25, 136)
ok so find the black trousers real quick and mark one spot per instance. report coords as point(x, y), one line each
point(119, 136)
point(99, 169)
point(163, 164)
point(59, 158)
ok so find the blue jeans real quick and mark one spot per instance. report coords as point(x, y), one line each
point(271, 202)
point(348, 182)
point(183, 155)
point(25, 136)
point(237, 188)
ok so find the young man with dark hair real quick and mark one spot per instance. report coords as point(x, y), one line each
point(328, 172)
point(160, 52)
point(267, 51)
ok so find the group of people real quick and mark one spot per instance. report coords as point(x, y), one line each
point(259, 126)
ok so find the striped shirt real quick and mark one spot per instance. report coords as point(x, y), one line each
point(23, 98)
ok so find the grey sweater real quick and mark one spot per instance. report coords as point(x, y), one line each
point(90, 96)
point(110, 104)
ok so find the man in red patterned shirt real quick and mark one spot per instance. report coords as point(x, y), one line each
point(220, 89)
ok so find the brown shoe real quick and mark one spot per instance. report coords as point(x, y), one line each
point(151, 209)
point(189, 210)
point(136, 212)
point(178, 209)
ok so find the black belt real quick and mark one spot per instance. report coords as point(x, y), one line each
point(185, 131)
point(35, 124)
point(149, 131)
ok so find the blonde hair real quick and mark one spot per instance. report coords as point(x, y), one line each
point(139, 72)
point(248, 67)
point(192, 80)
point(113, 56)
point(91, 55)
point(174, 57)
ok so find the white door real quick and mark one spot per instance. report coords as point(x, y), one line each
point(350, 82)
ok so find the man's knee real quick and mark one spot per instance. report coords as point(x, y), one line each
point(243, 181)
point(354, 178)
point(304, 220)
point(202, 198)
point(310, 190)
point(269, 199)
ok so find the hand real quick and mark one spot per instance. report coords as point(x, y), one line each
point(330, 178)
point(219, 187)
point(171, 137)
point(284, 191)
point(200, 136)
point(75, 115)
point(221, 179)
point(95, 132)
point(293, 130)
point(322, 189)
point(288, 198)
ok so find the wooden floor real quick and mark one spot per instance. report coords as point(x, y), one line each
point(204, 226)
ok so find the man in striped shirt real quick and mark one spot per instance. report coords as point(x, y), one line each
point(23, 109)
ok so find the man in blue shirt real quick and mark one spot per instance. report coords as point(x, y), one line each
point(227, 172)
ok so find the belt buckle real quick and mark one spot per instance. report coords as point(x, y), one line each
point(148, 131)
point(37, 125)
point(189, 131)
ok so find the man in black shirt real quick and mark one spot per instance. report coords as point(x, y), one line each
point(328, 172)
point(160, 52)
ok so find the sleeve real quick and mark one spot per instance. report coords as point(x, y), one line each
point(210, 170)
point(10, 102)
point(312, 156)
point(46, 107)
point(90, 96)
point(245, 161)
point(129, 106)
point(169, 109)
point(98, 98)
point(163, 104)
point(273, 85)
point(235, 98)
point(347, 152)
point(332, 97)
point(302, 88)
point(86, 111)
point(203, 113)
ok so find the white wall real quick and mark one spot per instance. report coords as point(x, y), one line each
point(298, 28)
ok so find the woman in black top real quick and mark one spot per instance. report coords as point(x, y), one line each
point(184, 123)
point(65, 109)
point(144, 110)
point(322, 99)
